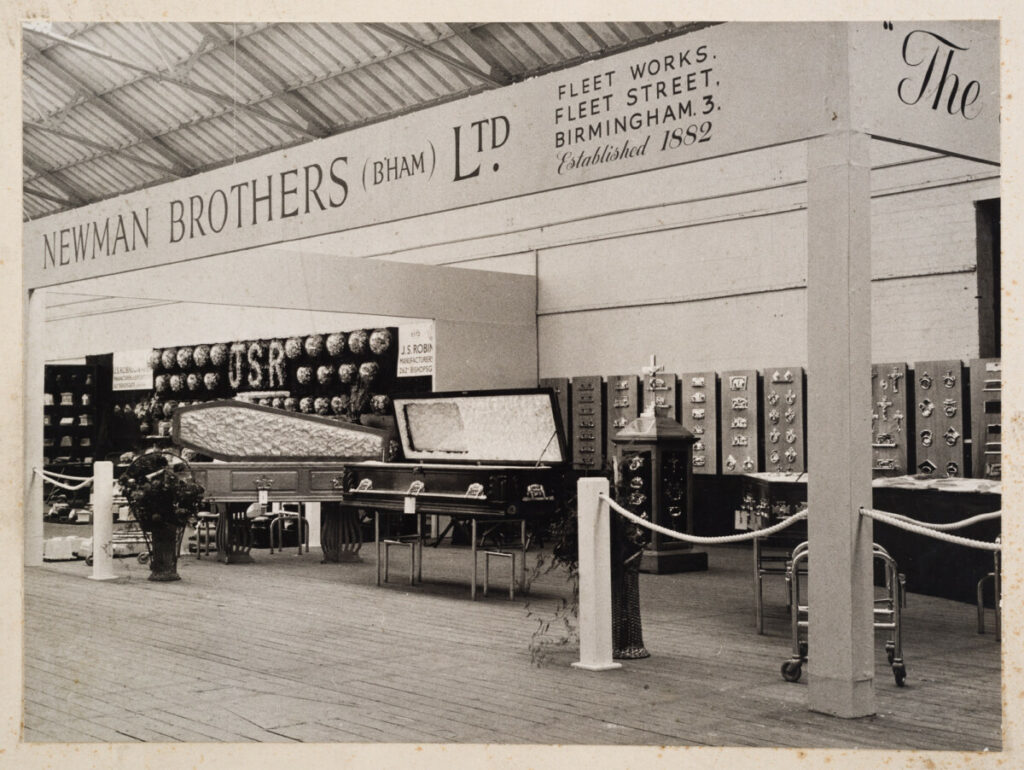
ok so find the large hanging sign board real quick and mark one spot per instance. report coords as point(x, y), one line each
point(716, 91)
point(927, 83)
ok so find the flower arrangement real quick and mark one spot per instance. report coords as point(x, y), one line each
point(306, 405)
point(339, 404)
point(169, 358)
point(277, 403)
point(177, 382)
point(291, 404)
point(193, 382)
point(304, 374)
point(254, 376)
point(154, 359)
point(211, 380)
point(380, 404)
point(336, 344)
point(161, 383)
point(324, 374)
point(380, 341)
point(158, 493)
point(322, 405)
point(169, 407)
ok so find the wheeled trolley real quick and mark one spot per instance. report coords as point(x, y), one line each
point(887, 613)
point(130, 541)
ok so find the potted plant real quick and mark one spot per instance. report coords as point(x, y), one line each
point(163, 498)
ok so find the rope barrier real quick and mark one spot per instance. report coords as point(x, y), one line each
point(951, 525)
point(45, 476)
point(888, 518)
point(56, 475)
point(754, 534)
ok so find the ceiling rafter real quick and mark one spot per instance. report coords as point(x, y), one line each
point(318, 123)
point(180, 163)
point(467, 34)
point(451, 61)
point(37, 166)
point(47, 196)
point(103, 148)
point(180, 82)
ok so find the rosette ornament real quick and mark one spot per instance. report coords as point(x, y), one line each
point(184, 357)
point(368, 372)
point(324, 374)
point(169, 358)
point(306, 405)
point(357, 341)
point(211, 380)
point(219, 354)
point(293, 347)
point(177, 382)
point(380, 341)
point(201, 356)
point(304, 374)
point(347, 373)
point(314, 345)
point(193, 381)
point(322, 405)
point(339, 404)
point(335, 344)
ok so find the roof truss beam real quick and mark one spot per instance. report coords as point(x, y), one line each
point(86, 142)
point(451, 61)
point(180, 82)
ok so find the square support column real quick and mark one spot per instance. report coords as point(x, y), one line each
point(841, 592)
point(32, 441)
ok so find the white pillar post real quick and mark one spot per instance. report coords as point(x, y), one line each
point(595, 570)
point(313, 520)
point(841, 593)
point(102, 521)
point(32, 440)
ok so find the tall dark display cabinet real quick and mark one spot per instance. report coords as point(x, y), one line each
point(70, 422)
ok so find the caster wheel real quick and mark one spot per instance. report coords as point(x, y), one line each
point(88, 561)
point(803, 650)
point(899, 672)
point(791, 670)
point(143, 558)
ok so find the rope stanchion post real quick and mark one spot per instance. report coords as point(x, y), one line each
point(102, 521)
point(595, 563)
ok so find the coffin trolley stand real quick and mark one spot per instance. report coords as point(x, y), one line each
point(492, 458)
point(267, 455)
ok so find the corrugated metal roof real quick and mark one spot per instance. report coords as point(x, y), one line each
point(114, 107)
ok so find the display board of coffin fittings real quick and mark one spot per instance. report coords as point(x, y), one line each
point(740, 422)
point(699, 415)
point(660, 388)
point(939, 414)
point(560, 386)
point(986, 418)
point(623, 405)
point(892, 420)
point(587, 398)
point(785, 442)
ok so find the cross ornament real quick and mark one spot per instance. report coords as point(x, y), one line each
point(650, 371)
point(883, 407)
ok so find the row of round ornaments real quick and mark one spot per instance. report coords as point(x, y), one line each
point(378, 342)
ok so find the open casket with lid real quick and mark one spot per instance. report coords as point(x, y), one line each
point(262, 454)
point(483, 456)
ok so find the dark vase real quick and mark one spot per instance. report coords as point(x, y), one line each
point(163, 557)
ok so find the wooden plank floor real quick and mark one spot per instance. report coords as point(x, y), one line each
point(289, 649)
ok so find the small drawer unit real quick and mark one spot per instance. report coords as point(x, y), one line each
point(986, 418)
point(741, 421)
point(587, 398)
point(699, 415)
